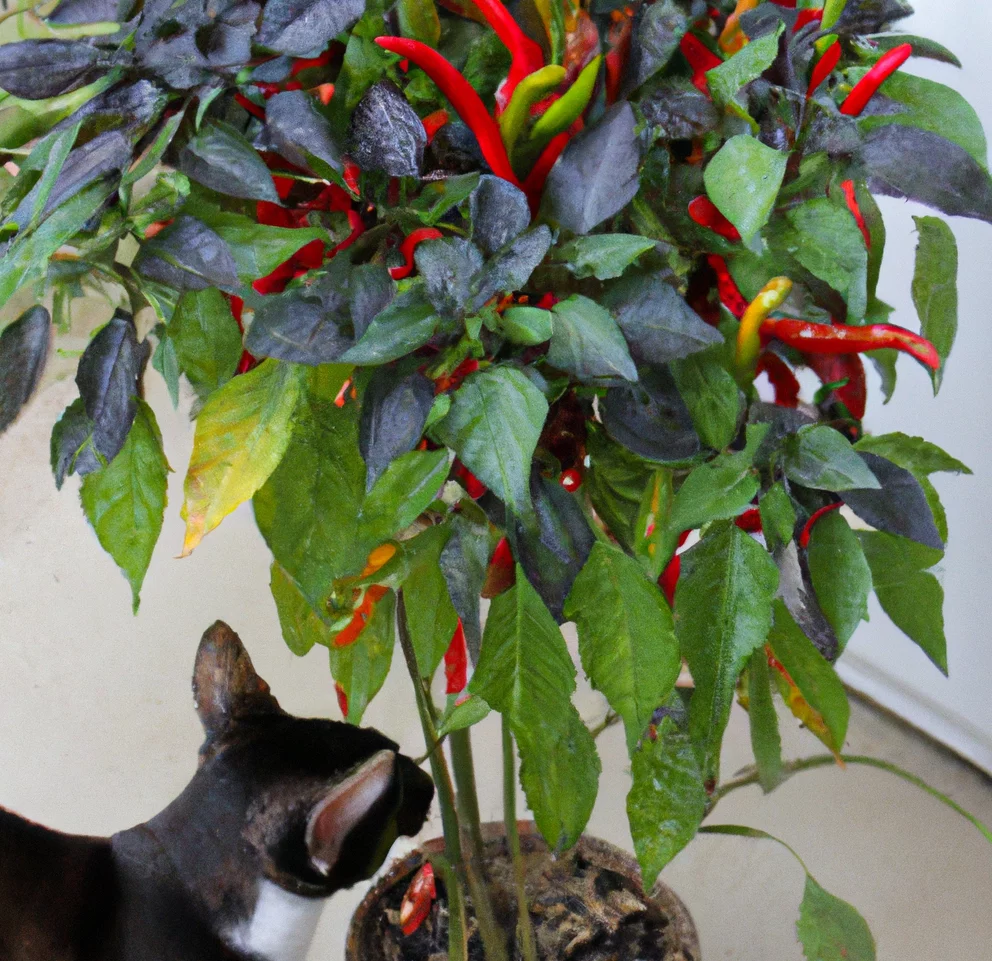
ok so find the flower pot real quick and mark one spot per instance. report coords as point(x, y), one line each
point(586, 905)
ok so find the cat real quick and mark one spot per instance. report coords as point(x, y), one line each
point(281, 813)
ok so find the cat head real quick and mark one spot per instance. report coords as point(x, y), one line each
point(318, 802)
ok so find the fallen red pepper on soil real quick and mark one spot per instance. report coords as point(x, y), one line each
point(417, 902)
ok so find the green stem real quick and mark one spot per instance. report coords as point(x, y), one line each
point(525, 929)
point(457, 931)
point(493, 938)
point(750, 776)
point(457, 928)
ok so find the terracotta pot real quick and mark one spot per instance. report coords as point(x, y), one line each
point(676, 933)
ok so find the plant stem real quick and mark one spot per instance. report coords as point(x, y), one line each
point(471, 821)
point(750, 776)
point(457, 929)
point(525, 929)
point(608, 721)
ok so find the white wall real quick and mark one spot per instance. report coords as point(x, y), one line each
point(881, 661)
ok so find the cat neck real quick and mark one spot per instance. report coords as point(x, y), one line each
point(281, 926)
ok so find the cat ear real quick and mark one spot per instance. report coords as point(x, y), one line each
point(344, 808)
point(225, 685)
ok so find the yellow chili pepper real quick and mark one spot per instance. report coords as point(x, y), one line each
point(733, 37)
point(770, 298)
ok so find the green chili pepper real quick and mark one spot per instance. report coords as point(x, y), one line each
point(530, 90)
point(569, 107)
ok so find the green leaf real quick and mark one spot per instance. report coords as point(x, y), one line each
point(460, 714)
point(495, 421)
point(402, 493)
point(841, 576)
point(125, 501)
point(302, 627)
point(667, 800)
point(430, 615)
point(525, 672)
point(361, 667)
point(749, 63)
point(241, 435)
point(917, 455)
point(525, 325)
point(820, 457)
point(826, 240)
point(765, 740)
point(743, 180)
point(712, 396)
point(221, 159)
point(935, 288)
point(626, 637)
point(205, 338)
point(308, 511)
point(831, 929)
point(406, 324)
point(722, 615)
point(816, 679)
point(719, 489)
point(586, 342)
point(616, 481)
point(418, 20)
point(908, 591)
point(778, 517)
point(603, 256)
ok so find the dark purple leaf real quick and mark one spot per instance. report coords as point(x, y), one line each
point(71, 12)
point(678, 111)
point(650, 418)
point(72, 450)
point(658, 29)
point(899, 507)
point(130, 106)
point(870, 16)
point(370, 291)
point(220, 158)
point(300, 133)
point(454, 150)
point(907, 162)
point(24, 346)
point(464, 563)
point(299, 27)
point(657, 322)
point(448, 268)
point(39, 69)
point(188, 255)
point(394, 412)
point(511, 268)
point(796, 591)
point(597, 175)
point(107, 378)
point(386, 134)
point(297, 328)
point(500, 213)
point(226, 46)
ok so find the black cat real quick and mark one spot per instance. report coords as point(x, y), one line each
point(282, 812)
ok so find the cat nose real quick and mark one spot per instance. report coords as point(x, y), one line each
point(418, 793)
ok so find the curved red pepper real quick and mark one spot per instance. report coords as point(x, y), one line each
point(851, 196)
point(538, 176)
point(807, 530)
point(730, 294)
point(409, 246)
point(526, 55)
point(473, 486)
point(813, 338)
point(781, 377)
point(867, 86)
point(417, 901)
point(805, 17)
point(464, 99)
point(834, 368)
point(700, 59)
point(433, 122)
point(704, 212)
point(824, 67)
point(456, 662)
point(749, 521)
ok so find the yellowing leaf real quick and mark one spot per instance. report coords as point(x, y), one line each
point(241, 435)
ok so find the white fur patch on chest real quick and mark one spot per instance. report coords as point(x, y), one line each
point(281, 927)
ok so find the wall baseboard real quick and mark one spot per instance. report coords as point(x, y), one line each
point(928, 716)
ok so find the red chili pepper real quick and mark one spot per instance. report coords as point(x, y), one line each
point(840, 339)
point(373, 594)
point(834, 368)
point(464, 99)
point(781, 377)
point(824, 67)
point(409, 246)
point(456, 662)
point(730, 294)
point(805, 17)
point(704, 212)
point(620, 37)
point(503, 556)
point(357, 229)
point(342, 699)
point(417, 901)
point(570, 479)
point(851, 196)
point(350, 175)
point(447, 381)
point(749, 521)
point(300, 63)
point(433, 122)
point(700, 59)
point(534, 184)
point(669, 580)
point(324, 93)
point(253, 108)
point(807, 530)
point(473, 486)
point(867, 86)
point(526, 55)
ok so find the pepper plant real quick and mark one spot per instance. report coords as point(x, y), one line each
point(474, 304)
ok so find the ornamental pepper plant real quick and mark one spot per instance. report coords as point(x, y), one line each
point(477, 303)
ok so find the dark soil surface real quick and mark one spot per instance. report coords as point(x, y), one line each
point(581, 911)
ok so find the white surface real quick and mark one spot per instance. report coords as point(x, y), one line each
point(880, 660)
